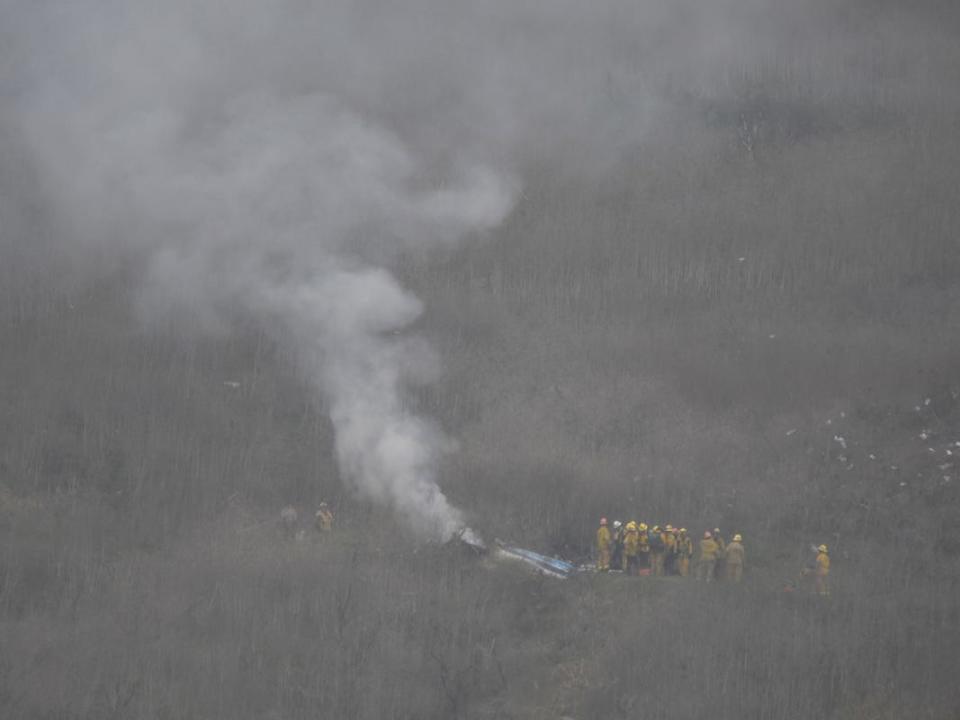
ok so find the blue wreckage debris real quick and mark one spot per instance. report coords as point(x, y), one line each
point(554, 567)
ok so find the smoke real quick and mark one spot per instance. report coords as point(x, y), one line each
point(282, 205)
point(281, 210)
point(271, 160)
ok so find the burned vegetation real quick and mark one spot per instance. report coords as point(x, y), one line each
point(329, 333)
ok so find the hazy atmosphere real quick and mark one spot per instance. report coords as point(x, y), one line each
point(365, 359)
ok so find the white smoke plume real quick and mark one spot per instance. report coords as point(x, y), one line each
point(270, 160)
point(281, 207)
point(279, 212)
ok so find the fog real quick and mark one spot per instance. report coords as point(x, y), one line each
point(507, 266)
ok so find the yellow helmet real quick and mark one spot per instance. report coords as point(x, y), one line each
point(822, 548)
point(631, 525)
point(737, 538)
point(643, 526)
point(683, 530)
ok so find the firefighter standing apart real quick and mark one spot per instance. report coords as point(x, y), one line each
point(823, 570)
point(323, 519)
point(734, 559)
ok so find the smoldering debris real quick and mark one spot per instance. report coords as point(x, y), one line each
point(472, 540)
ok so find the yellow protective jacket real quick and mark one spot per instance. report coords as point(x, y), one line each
point(603, 537)
point(631, 542)
point(643, 541)
point(324, 520)
point(823, 564)
point(734, 554)
point(708, 549)
point(685, 546)
point(670, 543)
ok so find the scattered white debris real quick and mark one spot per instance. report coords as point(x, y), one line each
point(946, 478)
point(772, 336)
point(917, 408)
point(842, 458)
point(894, 467)
point(842, 414)
point(903, 484)
point(872, 456)
point(945, 466)
point(840, 439)
point(231, 384)
point(924, 434)
point(931, 449)
point(850, 466)
point(741, 259)
point(957, 443)
point(829, 421)
point(949, 452)
point(791, 431)
point(926, 401)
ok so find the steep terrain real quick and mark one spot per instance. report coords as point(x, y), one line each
point(679, 262)
point(145, 574)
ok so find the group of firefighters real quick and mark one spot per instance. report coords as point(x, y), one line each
point(636, 549)
point(290, 524)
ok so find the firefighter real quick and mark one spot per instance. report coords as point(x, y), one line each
point(643, 551)
point(616, 559)
point(708, 558)
point(323, 519)
point(684, 552)
point(822, 571)
point(670, 553)
point(630, 548)
point(720, 570)
point(603, 546)
point(657, 550)
point(734, 559)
